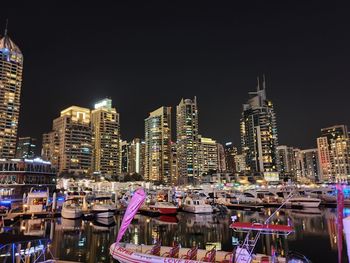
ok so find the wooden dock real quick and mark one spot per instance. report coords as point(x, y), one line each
point(245, 207)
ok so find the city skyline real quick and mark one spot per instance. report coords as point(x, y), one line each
point(218, 67)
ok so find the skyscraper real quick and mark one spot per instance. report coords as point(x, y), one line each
point(124, 157)
point(136, 158)
point(26, 147)
point(106, 136)
point(286, 160)
point(158, 145)
point(11, 67)
point(230, 153)
point(310, 164)
point(221, 158)
point(72, 136)
point(259, 134)
point(208, 155)
point(333, 150)
point(187, 140)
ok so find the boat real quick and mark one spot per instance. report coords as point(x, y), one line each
point(304, 201)
point(103, 206)
point(164, 208)
point(37, 200)
point(196, 205)
point(73, 207)
point(156, 253)
point(248, 197)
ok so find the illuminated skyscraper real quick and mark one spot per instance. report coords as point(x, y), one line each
point(333, 150)
point(106, 136)
point(187, 140)
point(158, 145)
point(72, 137)
point(230, 153)
point(136, 158)
point(26, 147)
point(124, 149)
point(286, 161)
point(208, 155)
point(259, 134)
point(221, 158)
point(11, 67)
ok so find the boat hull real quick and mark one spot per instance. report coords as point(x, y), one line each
point(104, 214)
point(71, 214)
point(198, 210)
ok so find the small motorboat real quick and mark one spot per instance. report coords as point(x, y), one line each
point(196, 206)
point(73, 206)
point(164, 208)
point(103, 206)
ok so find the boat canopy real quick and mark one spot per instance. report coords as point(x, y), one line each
point(264, 228)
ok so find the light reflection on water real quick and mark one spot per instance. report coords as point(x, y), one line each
point(88, 241)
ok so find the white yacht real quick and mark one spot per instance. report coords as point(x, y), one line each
point(249, 197)
point(197, 206)
point(103, 206)
point(73, 207)
point(325, 194)
point(37, 200)
point(304, 201)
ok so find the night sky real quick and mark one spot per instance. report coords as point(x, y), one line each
point(152, 54)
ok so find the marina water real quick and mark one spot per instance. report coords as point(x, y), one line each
point(88, 241)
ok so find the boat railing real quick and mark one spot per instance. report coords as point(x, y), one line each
point(191, 253)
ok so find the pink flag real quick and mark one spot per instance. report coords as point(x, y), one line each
point(136, 201)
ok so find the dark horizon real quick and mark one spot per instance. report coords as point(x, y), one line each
point(150, 55)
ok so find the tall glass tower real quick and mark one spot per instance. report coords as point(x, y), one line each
point(187, 141)
point(259, 134)
point(11, 67)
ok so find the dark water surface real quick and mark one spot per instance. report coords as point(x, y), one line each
point(88, 241)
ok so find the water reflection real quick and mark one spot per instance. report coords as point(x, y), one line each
point(88, 241)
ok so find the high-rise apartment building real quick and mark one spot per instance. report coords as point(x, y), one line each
point(208, 155)
point(106, 136)
point(124, 157)
point(72, 137)
point(230, 153)
point(26, 147)
point(286, 160)
point(240, 163)
point(187, 140)
point(333, 150)
point(11, 67)
point(309, 164)
point(259, 134)
point(50, 148)
point(174, 167)
point(221, 158)
point(158, 145)
point(136, 158)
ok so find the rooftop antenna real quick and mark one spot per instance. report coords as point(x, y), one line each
point(258, 85)
point(7, 22)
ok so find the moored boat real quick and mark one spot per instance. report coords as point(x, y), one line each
point(164, 208)
point(196, 205)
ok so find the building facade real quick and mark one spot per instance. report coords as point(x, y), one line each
point(106, 137)
point(124, 157)
point(71, 141)
point(26, 147)
point(286, 160)
point(208, 156)
point(333, 151)
point(158, 146)
point(309, 164)
point(137, 157)
point(221, 158)
point(230, 153)
point(187, 140)
point(259, 134)
point(11, 67)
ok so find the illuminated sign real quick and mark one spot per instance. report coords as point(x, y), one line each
point(106, 103)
